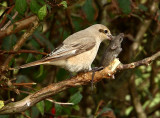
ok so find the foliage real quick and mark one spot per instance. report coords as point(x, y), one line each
point(21, 6)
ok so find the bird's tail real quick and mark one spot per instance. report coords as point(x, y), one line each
point(35, 63)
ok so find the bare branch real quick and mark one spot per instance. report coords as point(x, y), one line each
point(16, 27)
point(145, 61)
point(80, 79)
point(135, 99)
point(62, 103)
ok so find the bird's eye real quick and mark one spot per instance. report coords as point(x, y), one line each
point(106, 31)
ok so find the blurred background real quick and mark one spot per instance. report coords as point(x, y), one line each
point(134, 93)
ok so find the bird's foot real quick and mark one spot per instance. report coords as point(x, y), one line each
point(94, 69)
point(93, 73)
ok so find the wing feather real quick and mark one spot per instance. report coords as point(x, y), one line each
point(65, 51)
point(75, 48)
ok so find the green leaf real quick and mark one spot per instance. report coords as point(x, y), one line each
point(58, 109)
point(76, 98)
point(9, 42)
point(142, 7)
point(41, 71)
point(34, 6)
point(10, 18)
point(67, 110)
point(29, 58)
point(42, 12)
point(48, 105)
point(129, 110)
point(77, 22)
point(125, 5)
point(104, 110)
point(155, 100)
point(76, 107)
point(89, 10)
point(1, 104)
point(64, 3)
point(21, 6)
point(34, 112)
point(40, 106)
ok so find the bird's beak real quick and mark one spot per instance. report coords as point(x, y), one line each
point(110, 36)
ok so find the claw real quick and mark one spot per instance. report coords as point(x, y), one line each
point(93, 73)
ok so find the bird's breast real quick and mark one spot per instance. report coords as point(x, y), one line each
point(83, 61)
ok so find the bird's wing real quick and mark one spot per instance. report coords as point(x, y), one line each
point(65, 51)
point(68, 50)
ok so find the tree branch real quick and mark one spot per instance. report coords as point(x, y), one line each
point(18, 26)
point(135, 99)
point(9, 22)
point(80, 79)
point(145, 61)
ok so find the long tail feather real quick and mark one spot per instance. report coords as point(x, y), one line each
point(35, 63)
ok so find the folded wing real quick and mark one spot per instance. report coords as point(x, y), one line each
point(65, 51)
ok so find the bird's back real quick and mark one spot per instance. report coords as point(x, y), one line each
point(78, 36)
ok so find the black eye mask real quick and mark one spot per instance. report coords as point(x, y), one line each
point(103, 31)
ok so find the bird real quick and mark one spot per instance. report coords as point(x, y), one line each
point(78, 51)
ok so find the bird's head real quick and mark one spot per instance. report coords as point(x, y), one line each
point(101, 31)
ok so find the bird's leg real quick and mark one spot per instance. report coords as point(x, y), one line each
point(93, 73)
point(71, 75)
point(93, 70)
point(97, 68)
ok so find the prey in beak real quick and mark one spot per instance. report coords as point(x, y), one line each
point(110, 36)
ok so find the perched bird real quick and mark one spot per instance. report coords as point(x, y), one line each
point(78, 51)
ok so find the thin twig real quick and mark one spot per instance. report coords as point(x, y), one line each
point(9, 84)
point(61, 103)
point(24, 84)
point(145, 61)
point(5, 17)
point(9, 22)
point(8, 101)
